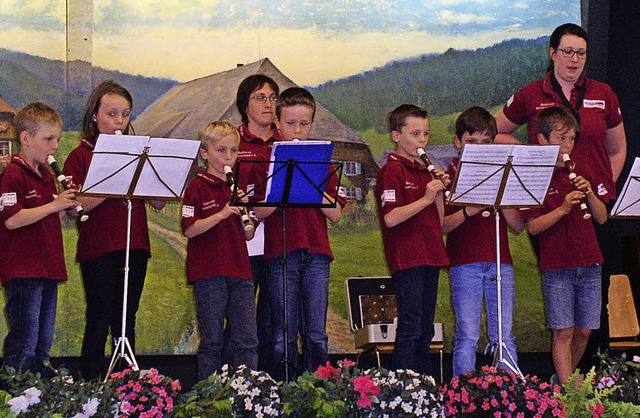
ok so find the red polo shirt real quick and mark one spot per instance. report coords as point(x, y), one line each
point(571, 242)
point(474, 240)
point(418, 240)
point(600, 111)
point(253, 148)
point(106, 229)
point(36, 250)
point(222, 250)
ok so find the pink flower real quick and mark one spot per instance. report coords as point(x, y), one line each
point(597, 410)
point(365, 387)
point(348, 363)
point(327, 372)
point(175, 385)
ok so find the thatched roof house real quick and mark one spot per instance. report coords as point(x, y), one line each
point(187, 107)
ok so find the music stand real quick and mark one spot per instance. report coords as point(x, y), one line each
point(297, 177)
point(503, 176)
point(627, 204)
point(137, 167)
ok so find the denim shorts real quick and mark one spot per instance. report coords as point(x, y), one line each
point(572, 297)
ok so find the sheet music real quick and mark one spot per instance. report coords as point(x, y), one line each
point(116, 157)
point(482, 168)
point(628, 203)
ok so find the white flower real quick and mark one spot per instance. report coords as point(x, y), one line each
point(636, 359)
point(33, 395)
point(19, 404)
point(91, 407)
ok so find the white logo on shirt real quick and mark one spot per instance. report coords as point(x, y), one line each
point(602, 190)
point(388, 196)
point(188, 211)
point(342, 192)
point(250, 190)
point(593, 103)
point(8, 199)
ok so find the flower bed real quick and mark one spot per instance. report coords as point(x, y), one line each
point(343, 390)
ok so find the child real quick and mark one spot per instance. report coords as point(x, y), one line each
point(32, 259)
point(471, 246)
point(223, 287)
point(103, 256)
point(411, 209)
point(569, 253)
point(308, 251)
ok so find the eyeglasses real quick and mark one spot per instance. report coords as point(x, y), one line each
point(569, 53)
point(263, 99)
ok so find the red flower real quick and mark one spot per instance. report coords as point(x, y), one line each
point(597, 410)
point(327, 372)
point(365, 387)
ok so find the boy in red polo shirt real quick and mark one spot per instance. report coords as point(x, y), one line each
point(411, 210)
point(569, 253)
point(32, 258)
point(308, 252)
point(217, 258)
point(471, 246)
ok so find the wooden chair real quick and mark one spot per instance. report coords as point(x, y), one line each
point(623, 318)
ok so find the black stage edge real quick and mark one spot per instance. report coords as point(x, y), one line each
point(183, 367)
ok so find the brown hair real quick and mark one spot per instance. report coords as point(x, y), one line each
point(556, 118)
point(32, 116)
point(397, 118)
point(89, 125)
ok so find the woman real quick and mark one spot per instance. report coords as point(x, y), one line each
point(256, 102)
point(601, 146)
point(602, 140)
point(102, 238)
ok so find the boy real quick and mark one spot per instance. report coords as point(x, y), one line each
point(411, 209)
point(471, 246)
point(32, 258)
point(223, 288)
point(569, 253)
point(307, 246)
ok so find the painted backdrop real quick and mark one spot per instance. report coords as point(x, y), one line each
point(318, 44)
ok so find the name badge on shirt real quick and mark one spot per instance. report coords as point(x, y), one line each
point(593, 103)
point(8, 199)
point(388, 196)
point(188, 211)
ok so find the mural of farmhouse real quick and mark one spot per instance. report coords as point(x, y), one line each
point(7, 132)
point(187, 107)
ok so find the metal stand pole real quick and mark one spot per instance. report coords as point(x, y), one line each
point(499, 348)
point(123, 348)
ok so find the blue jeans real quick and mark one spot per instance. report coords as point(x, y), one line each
point(216, 299)
point(416, 297)
point(307, 300)
point(469, 283)
point(31, 313)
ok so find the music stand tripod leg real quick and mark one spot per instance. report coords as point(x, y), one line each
point(123, 348)
point(500, 347)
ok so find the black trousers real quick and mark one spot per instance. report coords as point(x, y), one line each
point(103, 280)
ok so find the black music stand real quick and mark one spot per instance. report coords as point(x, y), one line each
point(503, 176)
point(297, 177)
point(137, 167)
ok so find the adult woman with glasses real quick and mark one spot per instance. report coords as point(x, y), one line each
point(602, 142)
point(600, 149)
point(256, 102)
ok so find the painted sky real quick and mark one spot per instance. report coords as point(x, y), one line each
point(312, 41)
